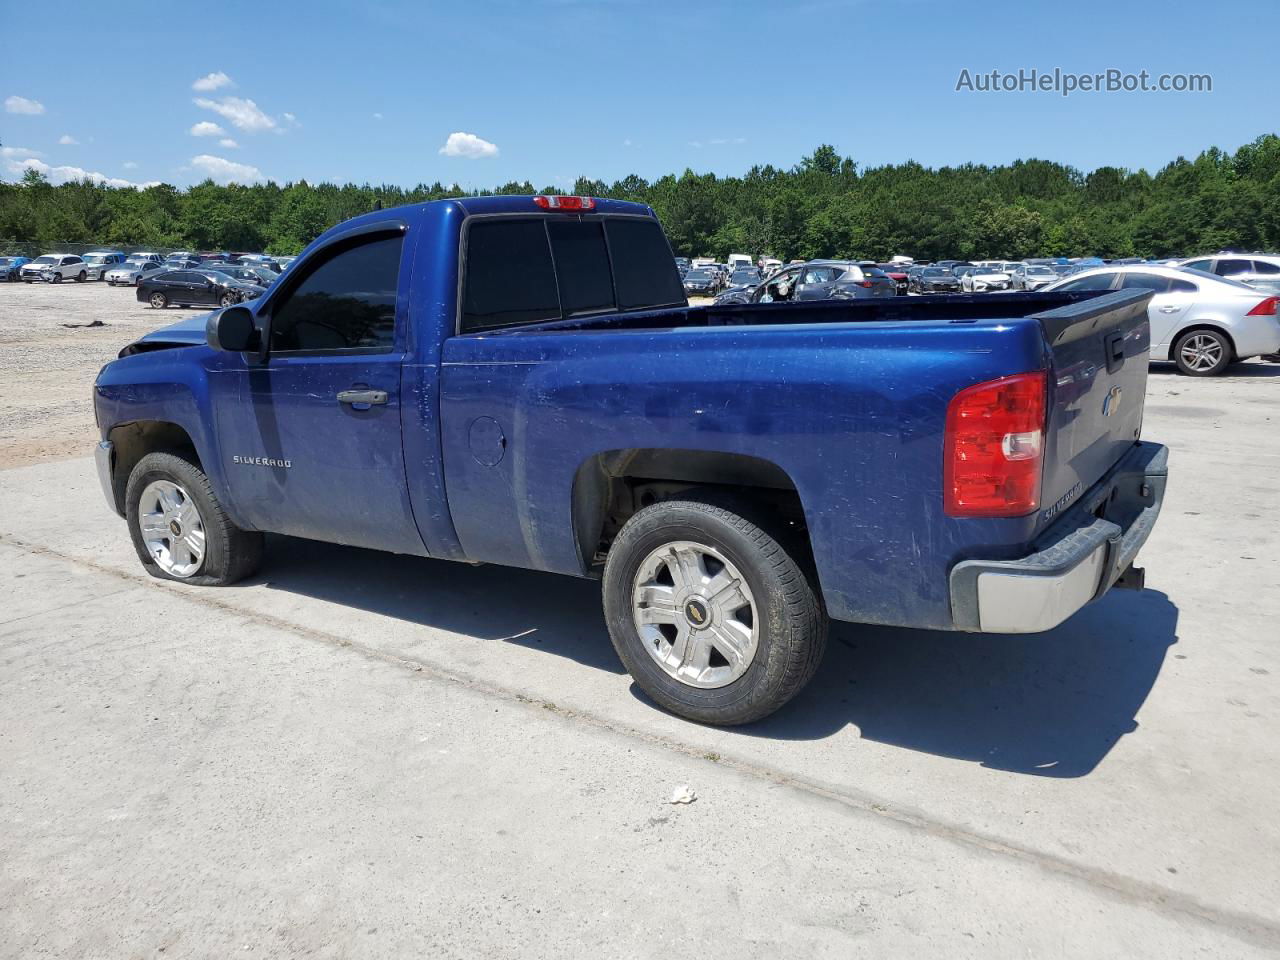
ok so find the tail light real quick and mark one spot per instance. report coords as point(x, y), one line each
point(994, 447)
point(1267, 308)
point(565, 203)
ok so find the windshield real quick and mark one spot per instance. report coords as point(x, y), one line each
point(45, 260)
point(97, 258)
point(702, 273)
point(934, 272)
point(1040, 272)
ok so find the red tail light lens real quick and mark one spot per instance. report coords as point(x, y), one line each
point(1267, 308)
point(994, 448)
point(565, 203)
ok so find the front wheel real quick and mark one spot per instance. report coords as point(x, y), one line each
point(57, 278)
point(713, 616)
point(159, 301)
point(226, 300)
point(178, 526)
point(1202, 353)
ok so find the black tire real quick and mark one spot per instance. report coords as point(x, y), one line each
point(792, 622)
point(158, 300)
point(57, 278)
point(80, 278)
point(1214, 340)
point(226, 300)
point(231, 554)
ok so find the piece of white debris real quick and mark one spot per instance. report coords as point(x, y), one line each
point(683, 794)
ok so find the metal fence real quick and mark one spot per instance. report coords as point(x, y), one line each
point(19, 248)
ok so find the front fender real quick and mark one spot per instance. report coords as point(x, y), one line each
point(168, 386)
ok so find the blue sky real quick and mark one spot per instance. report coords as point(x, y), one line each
point(548, 91)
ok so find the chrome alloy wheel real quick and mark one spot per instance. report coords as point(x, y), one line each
point(171, 528)
point(1201, 351)
point(695, 614)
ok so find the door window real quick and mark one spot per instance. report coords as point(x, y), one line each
point(1205, 265)
point(1261, 266)
point(1146, 281)
point(1232, 268)
point(1099, 281)
point(347, 302)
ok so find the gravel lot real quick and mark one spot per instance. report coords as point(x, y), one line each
point(356, 754)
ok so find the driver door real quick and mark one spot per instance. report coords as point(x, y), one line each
point(313, 444)
point(768, 292)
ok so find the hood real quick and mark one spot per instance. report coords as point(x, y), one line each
point(187, 332)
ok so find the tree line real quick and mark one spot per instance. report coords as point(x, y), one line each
point(824, 206)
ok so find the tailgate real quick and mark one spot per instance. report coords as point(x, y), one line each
point(1097, 388)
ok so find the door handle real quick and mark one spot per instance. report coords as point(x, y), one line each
point(1170, 309)
point(362, 396)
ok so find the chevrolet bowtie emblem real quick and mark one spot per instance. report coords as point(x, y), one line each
point(1110, 404)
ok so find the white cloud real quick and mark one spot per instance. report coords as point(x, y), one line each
point(67, 140)
point(468, 145)
point(290, 119)
point(626, 142)
point(716, 142)
point(206, 128)
point(65, 174)
point(229, 143)
point(240, 112)
point(225, 171)
point(130, 165)
point(377, 116)
point(212, 81)
point(10, 152)
point(17, 104)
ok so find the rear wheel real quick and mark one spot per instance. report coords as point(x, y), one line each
point(713, 616)
point(1202, 353)
point(179, 528)
point(80, 278)
point(159, 300)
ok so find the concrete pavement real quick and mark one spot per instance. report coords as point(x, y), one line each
point(450, 757)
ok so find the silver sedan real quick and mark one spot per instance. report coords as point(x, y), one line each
point(131, 273)
point(1199, 321)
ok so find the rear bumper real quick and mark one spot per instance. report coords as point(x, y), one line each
point(1077, 560)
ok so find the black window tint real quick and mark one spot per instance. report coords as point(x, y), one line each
point(1183, 286)
point(642, 271)
point(1101, 281)
point(1146, 281)
point(348, 302)
point(1230, 268)
point(509, 277)
point(582, 265)
point(1261, 266)
point(1205, 265)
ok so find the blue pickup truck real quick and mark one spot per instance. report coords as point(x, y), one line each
point(520, 381)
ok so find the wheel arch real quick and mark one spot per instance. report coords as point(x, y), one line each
point(134, 440)
point(1204, 324)
point(611, 486)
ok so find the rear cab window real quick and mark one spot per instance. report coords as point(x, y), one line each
point(528, 269)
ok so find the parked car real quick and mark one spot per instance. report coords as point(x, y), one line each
point(99, 262)
point(195, 288)
point(182, 263)
point(935, 280)
point(984, 280)
point(131, 272)
point(146, 255)
point(11, 268)
point(54, 268)
point(1031, 276)
point(247, 271)
point(258, 260)
point(898, 274)
point(1255, 269)
point(735, 475)
point(817, 280)
point(1200, 321)
point(702, 282)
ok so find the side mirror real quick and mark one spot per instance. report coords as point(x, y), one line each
point(233, 330)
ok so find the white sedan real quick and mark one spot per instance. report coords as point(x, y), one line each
point(984, 279)
point(1199, 321)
